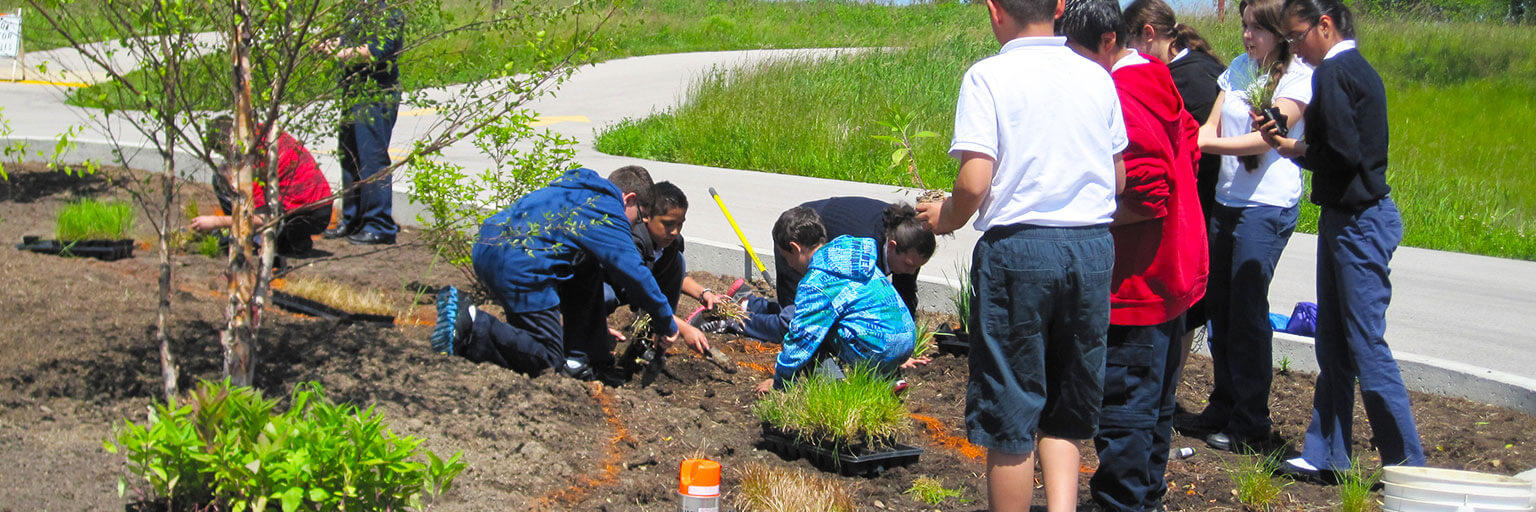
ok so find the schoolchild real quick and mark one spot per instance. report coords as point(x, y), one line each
point(1038, 132)
point(300, 187)
point(1359, 228)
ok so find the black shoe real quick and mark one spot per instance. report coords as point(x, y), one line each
point(334, 233)
point(366, 238)
point(1268, 444)
point(1290, 469)
point(578, 369)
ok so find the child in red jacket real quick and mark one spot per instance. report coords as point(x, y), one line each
point(300, 186)
point(1160, 261)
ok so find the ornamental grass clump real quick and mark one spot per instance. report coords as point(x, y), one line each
point(860, 408)
point(89, 219)
point(927, 339)
point(226, 448)
point(343, 297)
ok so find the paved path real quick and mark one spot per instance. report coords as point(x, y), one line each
point(1472, 310)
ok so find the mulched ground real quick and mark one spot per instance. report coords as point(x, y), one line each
point(77, 357)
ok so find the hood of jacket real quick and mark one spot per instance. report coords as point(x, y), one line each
point(848, 257)
point(1154, 76)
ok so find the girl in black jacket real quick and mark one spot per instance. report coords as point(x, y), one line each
point(1345, 147)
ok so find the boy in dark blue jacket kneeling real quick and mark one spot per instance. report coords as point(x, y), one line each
point(542, 260)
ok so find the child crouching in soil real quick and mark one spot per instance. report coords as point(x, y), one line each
point(300, 187)
point(845, 308)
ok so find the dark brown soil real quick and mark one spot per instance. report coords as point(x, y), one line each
point(77, 357)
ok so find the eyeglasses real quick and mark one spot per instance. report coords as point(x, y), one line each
point(1292, 38)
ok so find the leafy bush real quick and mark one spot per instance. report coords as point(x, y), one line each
point(858, 408)
point(788, 490)
point(227, 448)
point(89, 219)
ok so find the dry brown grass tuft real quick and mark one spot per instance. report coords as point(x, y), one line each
point(765, 489)
point(344, 297)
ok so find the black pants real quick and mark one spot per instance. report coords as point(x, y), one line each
point(294, 234)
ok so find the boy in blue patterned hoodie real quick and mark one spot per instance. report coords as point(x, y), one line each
point(845, 307)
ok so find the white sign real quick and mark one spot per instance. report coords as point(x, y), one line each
point(10, 35)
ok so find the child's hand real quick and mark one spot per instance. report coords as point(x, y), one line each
point(764, 387)
point(710, 298)
point(617, 336)
point(693, 337)
point(929, 214)
point(665, 342)
point(209, 222)
point(915, 362)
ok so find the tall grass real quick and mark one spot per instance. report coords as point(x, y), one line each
point(89, 219)
point(1459, 99)
point(860, 408)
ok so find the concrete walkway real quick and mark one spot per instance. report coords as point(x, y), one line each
point(1472, 314)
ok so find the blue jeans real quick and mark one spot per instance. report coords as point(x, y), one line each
point(1038, 323)
point(768, 321)
point(364, 141)
point(1353, 290)
point(1245, 247)
point(1141, 375)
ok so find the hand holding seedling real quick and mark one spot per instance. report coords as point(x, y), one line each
point(1270, 131)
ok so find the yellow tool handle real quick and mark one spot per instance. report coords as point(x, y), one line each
point(748, 245)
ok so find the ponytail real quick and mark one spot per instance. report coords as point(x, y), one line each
point(910, 234)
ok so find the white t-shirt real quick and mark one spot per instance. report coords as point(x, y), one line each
point(1277, 181)
point(1051, 119)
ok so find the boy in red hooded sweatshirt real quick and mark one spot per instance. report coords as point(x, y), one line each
point(1160, 261)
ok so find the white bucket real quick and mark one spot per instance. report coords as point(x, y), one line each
point(1416, 489)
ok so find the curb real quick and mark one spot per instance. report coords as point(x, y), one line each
point(1420, 373)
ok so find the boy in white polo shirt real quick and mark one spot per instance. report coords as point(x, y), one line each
point(1038, 132)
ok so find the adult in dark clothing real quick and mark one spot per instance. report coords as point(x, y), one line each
point(1345, 147)
point(369, 51)
point(905, 245)
point(1194, 66)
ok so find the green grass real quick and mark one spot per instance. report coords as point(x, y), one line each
point(1253, 481)
point(929, 490)
point(1459, 100)
point(89, 219)
point(1355, 488)
point(858, 408)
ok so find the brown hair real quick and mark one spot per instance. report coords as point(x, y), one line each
point(1268, 15)
point(1159, 15)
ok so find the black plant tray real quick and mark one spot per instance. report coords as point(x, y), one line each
point(305, 306)
point(952, 341)
point(107, 250)
point(855, 460)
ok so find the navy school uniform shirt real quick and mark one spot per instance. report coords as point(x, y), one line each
point(1347, 134)
point(667, 266)
point(860, 217)
point(524, 251)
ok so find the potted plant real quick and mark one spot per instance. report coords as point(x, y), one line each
point(849, 425)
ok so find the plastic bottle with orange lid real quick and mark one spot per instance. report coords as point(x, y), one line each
point(698, 486)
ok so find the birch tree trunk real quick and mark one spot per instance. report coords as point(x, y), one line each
point(239, 335)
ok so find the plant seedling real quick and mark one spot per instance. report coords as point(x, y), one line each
point(962, 297)
point(1253, 480)
point(765, 489)
point(1355, 488)
point(860, 408)
point(899, 122)
point(926, 341)
point(1261, 99)
point(1285, 365)
point(89, 219)
point(930, 490)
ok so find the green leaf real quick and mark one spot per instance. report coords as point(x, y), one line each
point(925, 134)
point(122, 487)
point(292, 498)
point(106, 444)
point(318, 495)
point(898, 155)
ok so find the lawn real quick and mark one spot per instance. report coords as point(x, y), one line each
point(1459, 183)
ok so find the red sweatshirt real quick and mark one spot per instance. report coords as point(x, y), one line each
point(1161, 264)
point(299, 181)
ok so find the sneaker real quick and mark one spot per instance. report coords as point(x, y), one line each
point(1300, 470)
point(578, 369)
point(452, 321)
point(717, 325)
point(899, 387)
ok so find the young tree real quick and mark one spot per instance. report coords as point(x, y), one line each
point(274, 64)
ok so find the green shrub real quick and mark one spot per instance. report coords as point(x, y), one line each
point(89, 219)
point(858, 408)
point(227, 448)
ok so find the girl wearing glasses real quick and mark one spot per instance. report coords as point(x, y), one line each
point(1257, 192)
point(1359, 228)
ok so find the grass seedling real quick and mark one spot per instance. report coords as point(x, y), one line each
point(962, 297)
point(927, 341)
point(789, 490)
point(343, 297)
point(89, 219)
point(1260, 90)
point(1355, 488)
point(207, 245)
point(860, 408)
point(1285, 365)
point(1254, 483)
point(730, 310)
point(931, 491)
point(641, 327)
